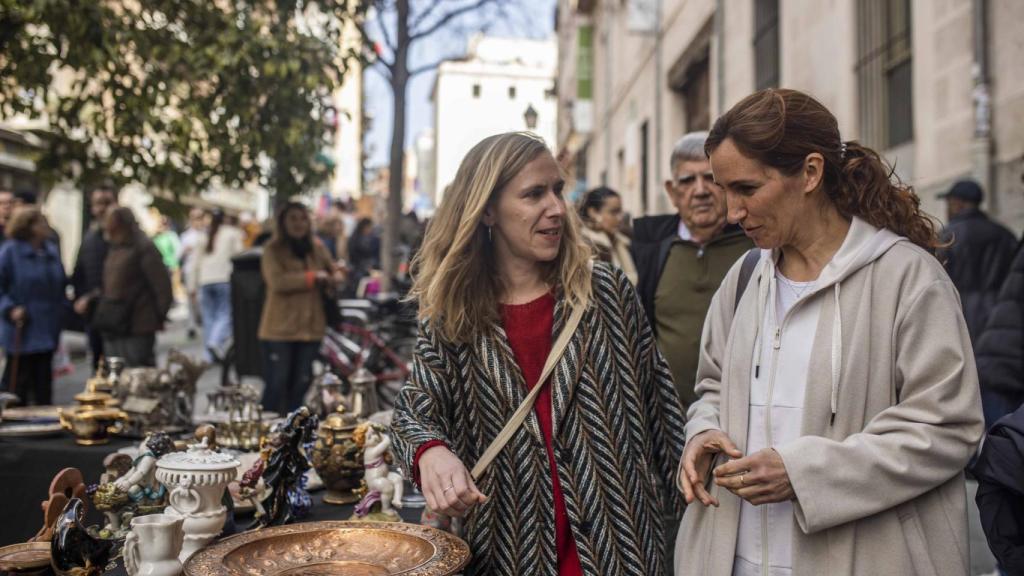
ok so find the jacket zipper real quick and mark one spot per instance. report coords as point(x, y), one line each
point(776, 344)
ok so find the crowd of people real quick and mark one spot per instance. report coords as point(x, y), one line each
point(125, 282)
point(790, 374)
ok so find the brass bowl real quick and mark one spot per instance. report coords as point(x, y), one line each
point(26, 556)
point(334, 549)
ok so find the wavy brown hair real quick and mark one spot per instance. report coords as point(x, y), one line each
point(455, 276)
point(780, 127)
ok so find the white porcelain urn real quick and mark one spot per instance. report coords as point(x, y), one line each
point(196, 480)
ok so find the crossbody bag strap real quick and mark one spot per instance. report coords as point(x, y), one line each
point(520, 414)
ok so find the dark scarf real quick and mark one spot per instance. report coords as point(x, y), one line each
point(300, 247)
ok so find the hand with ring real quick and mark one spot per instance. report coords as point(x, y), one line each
point(447, 484)
point(760, 478)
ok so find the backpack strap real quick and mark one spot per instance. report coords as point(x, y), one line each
point(750, 261)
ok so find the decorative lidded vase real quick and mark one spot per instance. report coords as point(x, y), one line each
point(337, 458)
point(196, 480)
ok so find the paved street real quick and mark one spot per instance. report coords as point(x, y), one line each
point(982, 563)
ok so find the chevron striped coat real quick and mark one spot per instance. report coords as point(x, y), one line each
point(617, 436)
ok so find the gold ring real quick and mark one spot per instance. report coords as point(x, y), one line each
point(452, 487)
point(742, 483)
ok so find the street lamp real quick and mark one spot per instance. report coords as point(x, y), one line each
point(530, 116)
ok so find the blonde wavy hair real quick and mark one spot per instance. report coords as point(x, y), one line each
point(455, 274)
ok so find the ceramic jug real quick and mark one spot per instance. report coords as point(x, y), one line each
point(153, 545)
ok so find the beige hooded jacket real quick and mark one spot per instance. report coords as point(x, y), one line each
point(891, 415)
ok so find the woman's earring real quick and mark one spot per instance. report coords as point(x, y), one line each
point(489, 239)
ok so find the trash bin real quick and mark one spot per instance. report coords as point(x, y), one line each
point(247, 293)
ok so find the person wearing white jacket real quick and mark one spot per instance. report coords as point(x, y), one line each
point(210, 277)
point(838, 396)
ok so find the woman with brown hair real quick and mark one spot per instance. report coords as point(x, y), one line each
point(32, 305)
point(296, 268)
point(582, 482)
point(839, 407)
point(601, 212)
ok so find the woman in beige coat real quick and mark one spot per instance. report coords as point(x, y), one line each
point(839, 399)
point(296, 268)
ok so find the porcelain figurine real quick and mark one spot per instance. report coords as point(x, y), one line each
point(73, 552)
point(285, 473)
point(196, 480)
point(382, 485)
point(140, 481)
point(153, 546)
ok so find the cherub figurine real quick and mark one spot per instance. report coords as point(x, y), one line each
point(382, 485)
point(140, 482)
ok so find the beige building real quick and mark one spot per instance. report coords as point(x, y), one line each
point(935, 85)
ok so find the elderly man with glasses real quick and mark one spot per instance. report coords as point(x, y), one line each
point(682, 258)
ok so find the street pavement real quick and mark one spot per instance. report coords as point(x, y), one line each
point(175, 337)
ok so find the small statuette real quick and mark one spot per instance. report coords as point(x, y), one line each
point(382, 489)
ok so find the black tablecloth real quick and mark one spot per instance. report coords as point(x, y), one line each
point(27, 466)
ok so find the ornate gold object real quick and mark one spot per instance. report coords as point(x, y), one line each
point(334, 549)
point(22, 557)
point(95, 417)
point(337, 458)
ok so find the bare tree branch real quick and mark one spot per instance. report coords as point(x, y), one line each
point(384, 32)
point(384, 71)
point(444, 20)
point(369, 42)
point(428, 67)
point(425, 14)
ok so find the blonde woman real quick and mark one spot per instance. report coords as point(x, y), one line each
point(581, 486)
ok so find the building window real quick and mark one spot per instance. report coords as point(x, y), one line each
point(511, 92)
point(690, 78)
point(766, 43)
point(476, 90)
point(884, 72)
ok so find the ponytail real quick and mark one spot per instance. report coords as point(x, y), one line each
point(870, 190)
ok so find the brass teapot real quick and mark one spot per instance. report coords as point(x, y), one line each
point(337, 458)
point(96, 417)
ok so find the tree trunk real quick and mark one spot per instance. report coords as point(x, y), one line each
point(396, 177)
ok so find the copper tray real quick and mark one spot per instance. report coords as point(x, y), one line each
point(334, 549)
point(27, 556)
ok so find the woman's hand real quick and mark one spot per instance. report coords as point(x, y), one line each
point(697, 457)
point(446, 483)
point(760, 478)
point(81, 305)
point(18, 315)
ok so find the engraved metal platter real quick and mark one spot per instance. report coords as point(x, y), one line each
point(34, 413)
point(30, 429)
point(30, 555)
point(334, 548)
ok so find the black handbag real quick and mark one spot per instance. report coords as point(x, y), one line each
point(332, 312)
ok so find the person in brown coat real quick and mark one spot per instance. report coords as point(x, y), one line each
point(136, 294)
point(296, 268)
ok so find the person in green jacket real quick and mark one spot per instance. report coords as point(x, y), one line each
point(168, 244)
point(682, 258)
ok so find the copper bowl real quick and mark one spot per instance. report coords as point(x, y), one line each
point(334, 549)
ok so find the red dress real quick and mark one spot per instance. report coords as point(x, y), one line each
point(528, 327)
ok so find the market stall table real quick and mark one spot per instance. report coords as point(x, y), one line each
point(27, 465)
